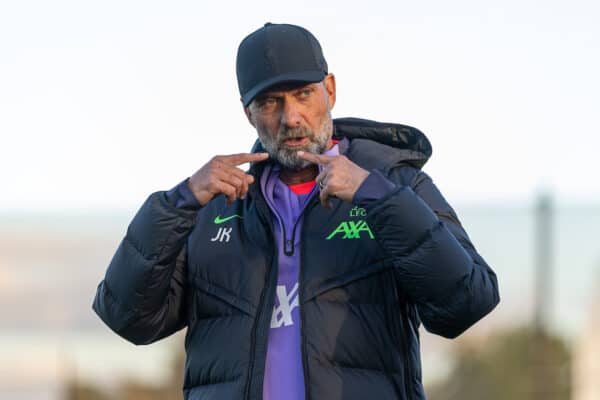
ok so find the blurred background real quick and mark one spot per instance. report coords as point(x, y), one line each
point(103, 103)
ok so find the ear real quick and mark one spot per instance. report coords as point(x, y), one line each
point(249, 116)
point(330, 89)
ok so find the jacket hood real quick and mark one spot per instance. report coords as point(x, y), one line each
point(408, 144)
point(379, 144)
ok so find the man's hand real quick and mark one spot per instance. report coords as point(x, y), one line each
point(221, 175)
point(339, 177)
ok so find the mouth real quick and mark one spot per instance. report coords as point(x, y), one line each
point(296, 142)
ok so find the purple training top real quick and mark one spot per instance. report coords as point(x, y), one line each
point(284, 375)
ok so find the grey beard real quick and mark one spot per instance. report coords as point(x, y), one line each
point(287, 157)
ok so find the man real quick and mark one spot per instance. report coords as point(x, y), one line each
point(308, 276)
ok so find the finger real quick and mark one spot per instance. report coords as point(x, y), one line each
point(223, 167)
point(324, 197)
point(241, 181)
point(315, 158)
point(244, 188)
point(232, 178)
point(224, 170)
point(228, 190)
point(320, 179)
point(242, 158)
point(235, 177)
point(249, 180)
point(239, 185)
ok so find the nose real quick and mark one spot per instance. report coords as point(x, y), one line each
point(291, 116)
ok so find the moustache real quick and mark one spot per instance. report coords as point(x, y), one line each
point(293, 133)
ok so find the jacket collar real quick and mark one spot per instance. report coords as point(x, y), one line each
point(375, 144)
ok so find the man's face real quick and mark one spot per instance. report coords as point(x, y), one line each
point(292, 118)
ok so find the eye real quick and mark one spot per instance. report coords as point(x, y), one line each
point(267, 103)
point(305, 92)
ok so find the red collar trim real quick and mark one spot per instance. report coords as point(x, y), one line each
point(303, 188)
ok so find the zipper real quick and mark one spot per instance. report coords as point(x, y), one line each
point(288, 244)
point(254, 331)
point(310, 204)
point(288, 250)
point(261, 308)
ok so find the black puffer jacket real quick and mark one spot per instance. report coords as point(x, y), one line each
point(362, 296)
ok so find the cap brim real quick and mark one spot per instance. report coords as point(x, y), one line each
point(303, 76)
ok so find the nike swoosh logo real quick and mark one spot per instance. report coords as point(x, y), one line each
point(218, 220)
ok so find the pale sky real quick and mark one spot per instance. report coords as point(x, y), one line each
point(102, 103)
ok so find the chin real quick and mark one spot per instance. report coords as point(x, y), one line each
point(292, 163)
point(286, 156)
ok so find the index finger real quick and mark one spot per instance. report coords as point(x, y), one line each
point(315, 158)
point(242, 158)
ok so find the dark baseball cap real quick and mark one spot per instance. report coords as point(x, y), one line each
point(278, 53)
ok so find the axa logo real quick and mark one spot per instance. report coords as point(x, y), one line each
point(351, 230)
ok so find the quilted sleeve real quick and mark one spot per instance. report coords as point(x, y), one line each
point(142, 296)
point(437, 267)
